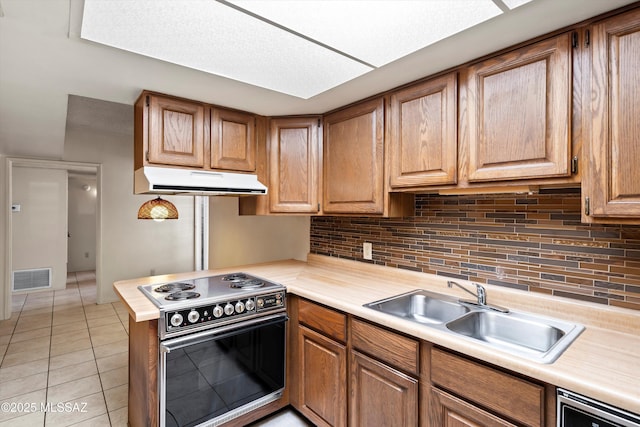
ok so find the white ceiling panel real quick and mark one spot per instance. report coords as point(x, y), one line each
point(376, 32)
point(512, 4)
point(209, 36)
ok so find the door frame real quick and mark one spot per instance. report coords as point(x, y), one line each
point(10, 163)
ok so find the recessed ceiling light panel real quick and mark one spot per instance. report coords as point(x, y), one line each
point(211, 37)
point(512, 4)
point(376, 32)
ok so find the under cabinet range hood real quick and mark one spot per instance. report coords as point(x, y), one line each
point(158, 180)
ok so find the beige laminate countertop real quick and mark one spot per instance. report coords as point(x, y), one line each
point(603, 362)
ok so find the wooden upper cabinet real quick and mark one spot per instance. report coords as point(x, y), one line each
point(233, 141)
point(178, 132)
point(612, 181)
point(294, 164)
point(354, 159)
point(175, 134)
point(518, 108)
point(424, 141)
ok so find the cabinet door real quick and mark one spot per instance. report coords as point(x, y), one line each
point(381, 395)
point(510, 396)
point(294, 163)
point(424, 138)
point(449, 411)
point(233, 143)
point(176, 132)
point(614, 155)
point(519, 112)
point(354, 159)
point(323, 379)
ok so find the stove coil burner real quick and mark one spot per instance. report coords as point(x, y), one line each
point(181, 295)
point(174, 287)
point(235, 277)
point(248, 284)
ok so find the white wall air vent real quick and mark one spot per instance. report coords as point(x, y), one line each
point(24, 280)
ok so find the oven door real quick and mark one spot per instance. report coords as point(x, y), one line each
point(574, 410)
point(213, 376)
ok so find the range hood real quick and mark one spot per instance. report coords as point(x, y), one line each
point(158, 180)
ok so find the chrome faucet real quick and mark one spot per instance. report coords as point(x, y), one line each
point(481, 296)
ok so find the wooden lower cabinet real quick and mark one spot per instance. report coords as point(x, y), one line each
point(480, 389)
point(450, 411)
point(347, 371)
point(323, 379)
point(381, 395)
point(143, 373)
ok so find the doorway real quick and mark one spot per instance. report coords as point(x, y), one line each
point(14, 259)
point(81, 220)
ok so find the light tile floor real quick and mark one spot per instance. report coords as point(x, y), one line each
point(63, 359)
point(285, 418)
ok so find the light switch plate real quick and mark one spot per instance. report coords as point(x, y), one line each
point(15, 208)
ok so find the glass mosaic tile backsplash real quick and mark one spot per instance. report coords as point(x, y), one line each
point(529, 242)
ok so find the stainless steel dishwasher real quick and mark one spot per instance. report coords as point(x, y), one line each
point(575, 410)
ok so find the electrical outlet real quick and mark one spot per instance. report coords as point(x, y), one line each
point(367, 250)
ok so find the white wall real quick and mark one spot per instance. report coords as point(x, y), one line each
point(238, 240)
point(39, 229)
point(102, 132)
point(82, 216)
point(5, 283)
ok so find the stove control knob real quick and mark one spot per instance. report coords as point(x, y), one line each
point(218, 311)
point(228, 309)
point(193, 316)
point(176, 319)
point(249, 305)
point(239, 307)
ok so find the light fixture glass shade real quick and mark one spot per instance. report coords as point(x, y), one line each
point(158, 209)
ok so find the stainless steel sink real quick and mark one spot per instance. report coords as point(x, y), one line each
point(421, 306)
point(534, 337)
point(527, 335)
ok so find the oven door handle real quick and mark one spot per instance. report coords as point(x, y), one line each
point(222, 332)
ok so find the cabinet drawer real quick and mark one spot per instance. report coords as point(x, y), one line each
point(513, 397)
point(396, 350)
point(322, 319)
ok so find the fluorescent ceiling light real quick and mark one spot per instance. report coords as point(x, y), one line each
point(300, 48)
point(208, 36)
point(512, 4)
point(376, 32)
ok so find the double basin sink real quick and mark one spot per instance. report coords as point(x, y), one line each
point(534, 337)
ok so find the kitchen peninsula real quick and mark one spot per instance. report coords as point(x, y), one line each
point(601, 363)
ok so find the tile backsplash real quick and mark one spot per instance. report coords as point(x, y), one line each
point(530, 242)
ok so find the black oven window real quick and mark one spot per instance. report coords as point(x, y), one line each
point(573, 417)
point(207, 380)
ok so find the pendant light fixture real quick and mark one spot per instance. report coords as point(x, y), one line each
point(158, 209)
